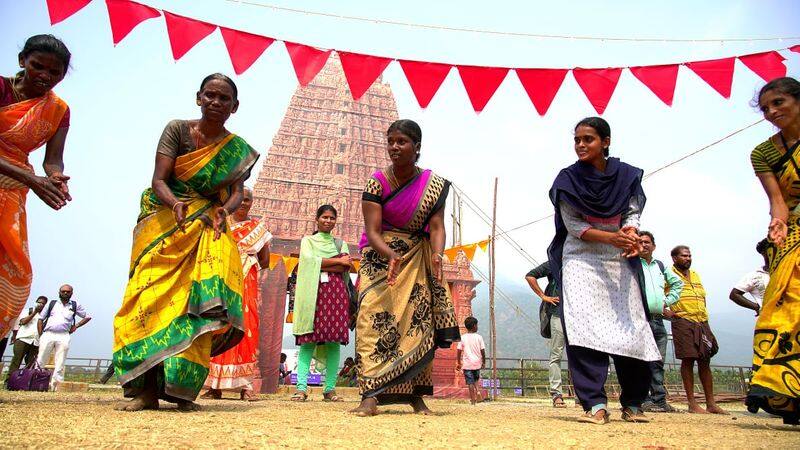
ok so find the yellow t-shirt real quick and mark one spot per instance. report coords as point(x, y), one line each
point(692, 303)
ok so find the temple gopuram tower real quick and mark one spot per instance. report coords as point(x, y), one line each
point(326, 148)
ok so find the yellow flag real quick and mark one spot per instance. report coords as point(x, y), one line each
point(451, 253)
point(483, 244)
point(290, 262)
point(469, 250)
point(273, 260)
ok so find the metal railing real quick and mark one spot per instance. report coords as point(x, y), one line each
point(75, 369)
point(530, 377)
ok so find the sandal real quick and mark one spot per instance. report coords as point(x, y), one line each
point(299, 396)
point(330, 397)
point(596, 419)
point(629, 416)
point(558, 402)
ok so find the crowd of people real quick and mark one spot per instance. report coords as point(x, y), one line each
point(188, 317)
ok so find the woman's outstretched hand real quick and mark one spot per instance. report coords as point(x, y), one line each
point(219, 221)
point(436, 265)
point(633, 249)
point(60, 180)
point(179, 211)
point(47, 190)
point(777, 231)
point(391, 273)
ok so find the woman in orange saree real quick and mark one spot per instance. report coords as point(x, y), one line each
point(234, 369)
point(31, 115)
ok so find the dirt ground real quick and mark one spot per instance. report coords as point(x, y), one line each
point(48, 420)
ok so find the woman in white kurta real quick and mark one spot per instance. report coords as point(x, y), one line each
point(594, 257)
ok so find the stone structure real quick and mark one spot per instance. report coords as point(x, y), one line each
point(324, 151)
point(447, 383)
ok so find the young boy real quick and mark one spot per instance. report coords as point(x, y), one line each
point(471, 357)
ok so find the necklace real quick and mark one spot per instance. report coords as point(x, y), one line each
point(395, 181)
point(15, 91)
point(194, 133)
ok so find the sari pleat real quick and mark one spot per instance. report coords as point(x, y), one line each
point(400, 327)
point(183, 301)
point(24, 127)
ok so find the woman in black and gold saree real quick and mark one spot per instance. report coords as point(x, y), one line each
point(405, 310)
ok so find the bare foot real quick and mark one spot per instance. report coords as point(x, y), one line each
point(367, 408)
point(420, 407)
point(212, 394)
point(696, 409)
point(714, 409)
point(248, 396)
point(188, 406)
point(138, 403)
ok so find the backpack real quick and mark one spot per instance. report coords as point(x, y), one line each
point(46, 316)
point(660, 265)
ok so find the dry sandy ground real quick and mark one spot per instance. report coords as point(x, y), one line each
point(49, 420)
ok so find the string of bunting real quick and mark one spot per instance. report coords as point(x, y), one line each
point(290, 262)
point(480, 82)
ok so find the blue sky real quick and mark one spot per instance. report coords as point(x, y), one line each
point(121, 97)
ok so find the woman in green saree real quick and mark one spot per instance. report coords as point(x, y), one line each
point(183, 302)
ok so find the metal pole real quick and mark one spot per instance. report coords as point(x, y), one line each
point(491, 290)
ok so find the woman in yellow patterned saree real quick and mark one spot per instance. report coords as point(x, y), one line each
point(31, 115)
point(775, 386)
point(405, 310)
point(183, 302)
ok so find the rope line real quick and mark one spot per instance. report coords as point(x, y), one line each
point(512, 33)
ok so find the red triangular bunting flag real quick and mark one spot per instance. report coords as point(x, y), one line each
point(767, 65)
point(598, 85)
point(718, 73)
point(481, 83)
point(795, 49)
point(307, 61)
point(244, 48)
point(62, 9)
point(424, 78)
point(361, 71)
point(660, 79)
point(184, 33)
point(124, 15)
point(541, 85)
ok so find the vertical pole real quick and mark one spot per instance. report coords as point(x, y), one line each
point(492, 252)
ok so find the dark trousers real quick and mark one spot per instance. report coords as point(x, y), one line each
point(658, 393)
point(3, 343)
point(22, 351)
point(589, 372)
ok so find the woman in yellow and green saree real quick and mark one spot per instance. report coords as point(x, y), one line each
point(775, 386)
point(183, 302)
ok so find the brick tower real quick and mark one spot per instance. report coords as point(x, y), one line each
point(324, 151)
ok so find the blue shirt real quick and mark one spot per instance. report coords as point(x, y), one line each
point(662, 288)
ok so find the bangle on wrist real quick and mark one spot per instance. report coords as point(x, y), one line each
point(176, 204)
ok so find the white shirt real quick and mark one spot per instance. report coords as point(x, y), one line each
point(754, 283)
point(28, 333)
point(471, 345)
point(62, 317)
